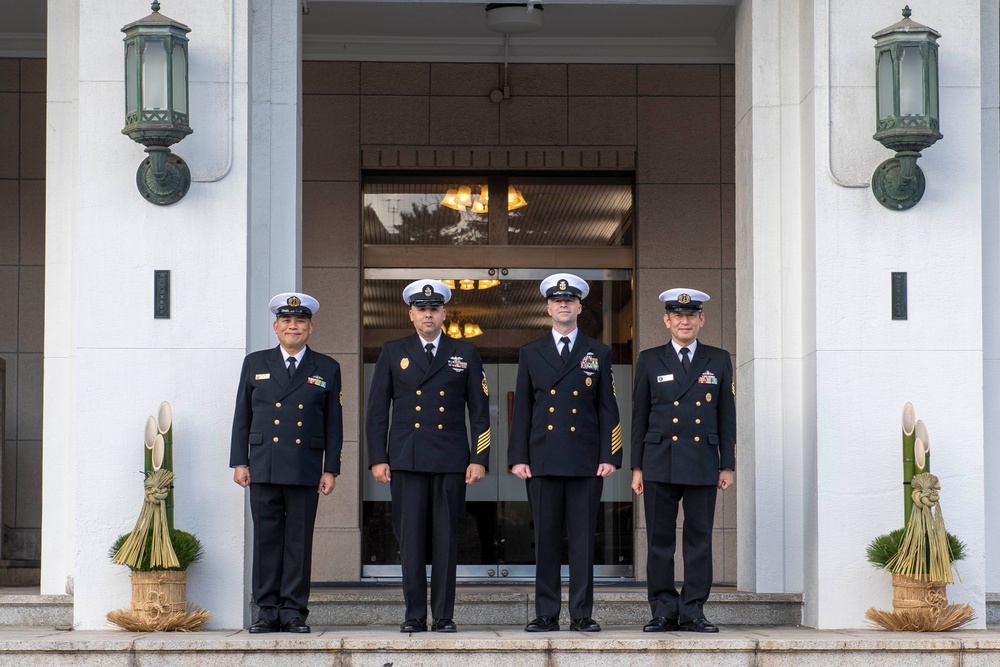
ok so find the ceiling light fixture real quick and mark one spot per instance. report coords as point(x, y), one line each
point(511, 18)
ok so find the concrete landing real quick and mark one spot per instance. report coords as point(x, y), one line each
point(502, 646)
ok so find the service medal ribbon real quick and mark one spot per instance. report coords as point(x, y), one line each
point(318, 381)
point(590, 363)
point(708, 377)
point(457, 364)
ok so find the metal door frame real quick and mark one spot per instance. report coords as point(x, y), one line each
point(494, 572)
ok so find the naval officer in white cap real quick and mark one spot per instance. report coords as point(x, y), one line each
point(683, 447)
point(287, 436)
point(429, 380)
point(565, 439)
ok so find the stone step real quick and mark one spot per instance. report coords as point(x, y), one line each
point(763, 646)
point(27, 608)
point(515, 605)
point(475, 606)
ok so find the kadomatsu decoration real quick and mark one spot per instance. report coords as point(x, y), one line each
point(156, 552)
point(921, 554)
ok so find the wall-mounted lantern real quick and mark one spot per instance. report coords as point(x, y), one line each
point(156, 103)
point(906, 85)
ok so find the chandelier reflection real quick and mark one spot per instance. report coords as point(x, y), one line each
point(470, 284)
point(461, 199)
point(459, 328)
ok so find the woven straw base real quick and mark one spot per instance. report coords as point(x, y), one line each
point(912, 594)
point(143, 621)
point(923, 619)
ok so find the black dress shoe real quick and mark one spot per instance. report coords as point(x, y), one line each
point(297, 625)
point(414, 625)
point(262, 625)
point(584, 625)
point(699, 625)
point(543, 624)
point(443, 625)
point(661, 624)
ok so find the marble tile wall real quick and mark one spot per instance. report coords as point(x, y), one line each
point(22, 292)
point(673, 125)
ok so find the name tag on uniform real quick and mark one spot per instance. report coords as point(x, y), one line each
point(262, 376)
point(665, 378)
point(318, 381)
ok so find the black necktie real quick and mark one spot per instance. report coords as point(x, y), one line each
point(565, 348)
point(685, 361)
point(430, 352)
point(291, 366)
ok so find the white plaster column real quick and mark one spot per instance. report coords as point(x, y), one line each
point(275, 161)
point(829, 369)
point(60, 387)
point(990, 63)
point(111, 363)
point(774, 401)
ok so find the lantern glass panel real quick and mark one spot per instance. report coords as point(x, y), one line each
point(180, 79)
point(911, 82)
point(131, 75)
point(154, 75)
point(885, 105)
point(933, 83)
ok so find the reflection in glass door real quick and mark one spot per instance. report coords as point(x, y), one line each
point(496, 534)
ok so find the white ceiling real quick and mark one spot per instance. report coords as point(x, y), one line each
point(639, 31)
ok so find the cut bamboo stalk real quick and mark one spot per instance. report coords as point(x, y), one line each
point(165, 424)
point(909, 417)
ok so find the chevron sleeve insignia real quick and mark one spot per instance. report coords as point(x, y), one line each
point(484, 442)
point(616, 438)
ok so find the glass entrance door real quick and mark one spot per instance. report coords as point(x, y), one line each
point(500, 309)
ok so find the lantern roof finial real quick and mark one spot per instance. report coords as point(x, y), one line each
point(156, 6)
point(906, 12)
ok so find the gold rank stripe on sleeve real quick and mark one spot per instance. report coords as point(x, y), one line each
point(484, 442)
point(616, 438)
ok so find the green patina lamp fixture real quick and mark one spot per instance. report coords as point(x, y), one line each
point(906, 84)
point(156, 103)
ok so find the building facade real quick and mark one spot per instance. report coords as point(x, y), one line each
point(743, 174)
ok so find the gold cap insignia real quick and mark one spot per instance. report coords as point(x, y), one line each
point(428, 290)
point(563, 284)
point(404, 363)
point(684, 298)
point(294, 301)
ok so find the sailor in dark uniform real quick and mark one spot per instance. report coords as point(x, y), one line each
point(428, 379)
point(565, 439)
point(683, 447)
point(287, 436)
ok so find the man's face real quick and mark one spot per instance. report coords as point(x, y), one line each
point(293, 331)
point(427, 320)
point(564, 310)
point(684, 327)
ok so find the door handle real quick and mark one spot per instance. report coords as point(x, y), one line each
point(492, 573)
point(510, 410)
point(503, 573)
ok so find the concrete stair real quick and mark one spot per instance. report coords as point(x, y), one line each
point(742, 646)
point(515, 605)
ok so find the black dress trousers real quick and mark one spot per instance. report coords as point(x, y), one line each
point(283, 519)
point(438, 498)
